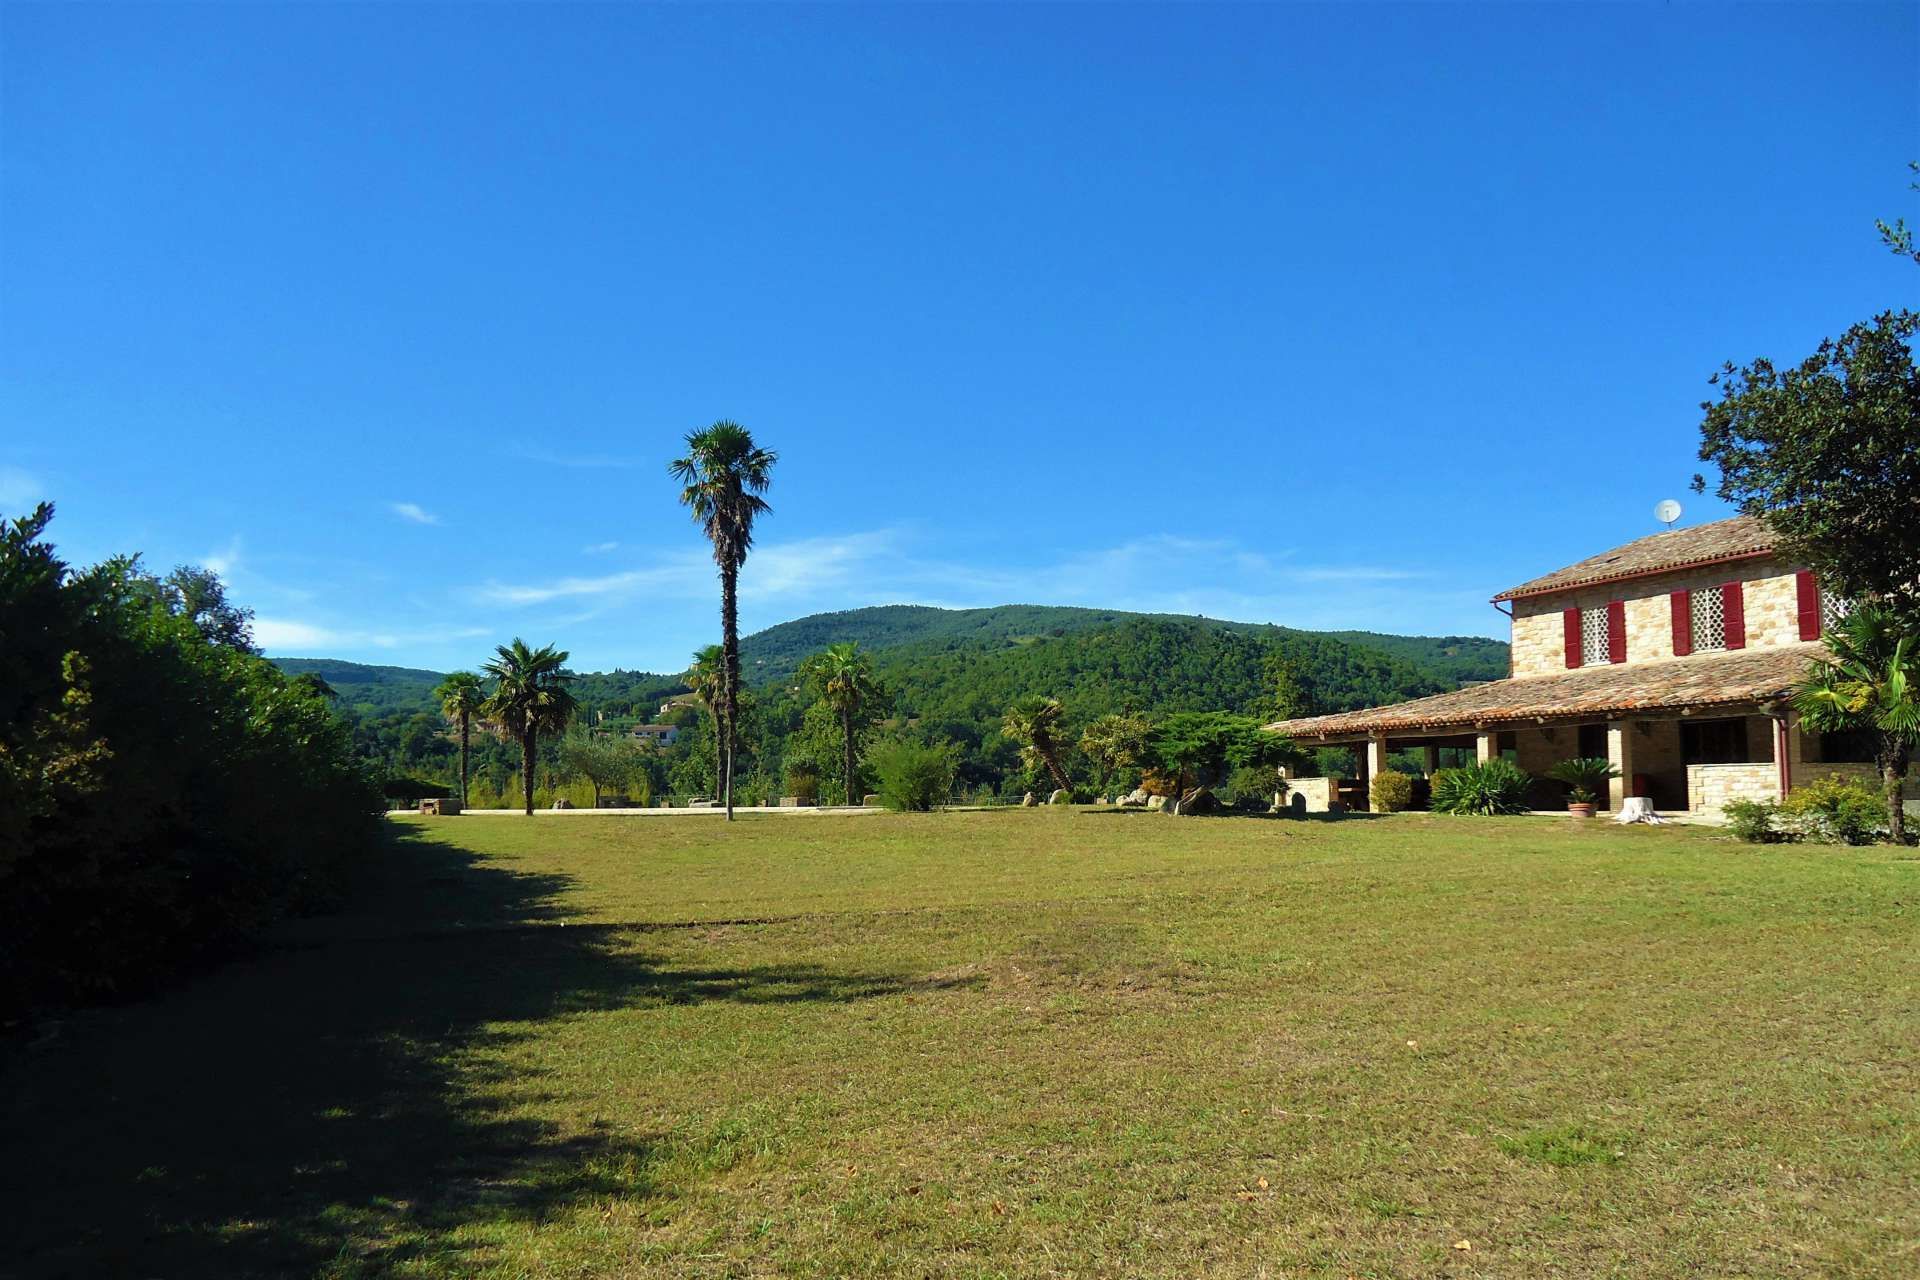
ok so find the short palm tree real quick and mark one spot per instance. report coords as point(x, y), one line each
point(1869, 680)
point(723, 475)
point(461, 696)
point(844, 677)
point(530, 697)
point(704, 679)
point(1034, 722)
point(1114, 742)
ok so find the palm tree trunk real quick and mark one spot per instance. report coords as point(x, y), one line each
point(1893, 774)
point(729, 671)
point(463, 759)
point(1052, 757)
point(526, 769)
point(846, 720)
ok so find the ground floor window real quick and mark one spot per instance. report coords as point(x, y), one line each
point(1849, 746)
point(1713, 741)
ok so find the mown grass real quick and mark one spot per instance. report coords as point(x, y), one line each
point(1025, 1043)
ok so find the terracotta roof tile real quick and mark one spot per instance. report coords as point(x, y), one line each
point(1704, 680)
point(1735, 539)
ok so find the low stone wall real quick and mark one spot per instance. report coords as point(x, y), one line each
point(1313, 795)
point(1711, 786)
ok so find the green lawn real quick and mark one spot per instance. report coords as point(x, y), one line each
point(1022, 1043)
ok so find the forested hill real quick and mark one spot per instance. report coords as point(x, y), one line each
point(775, 653)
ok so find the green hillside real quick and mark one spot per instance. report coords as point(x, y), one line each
point(775, 653)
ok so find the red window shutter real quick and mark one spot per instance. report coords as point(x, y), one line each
point(1616, 631)
point(1809, 588)
point(1572, 619)
point(1682, 623)
point(1735, 602)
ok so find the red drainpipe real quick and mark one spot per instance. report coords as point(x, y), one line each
point(1781, 741)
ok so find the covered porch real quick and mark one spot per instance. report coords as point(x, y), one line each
point(1689, 734)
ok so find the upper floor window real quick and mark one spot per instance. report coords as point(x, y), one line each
point(1833, 610)
point(1708, 614)
point(1596, 636)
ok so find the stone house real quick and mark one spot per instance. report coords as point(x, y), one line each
point(1673, 656)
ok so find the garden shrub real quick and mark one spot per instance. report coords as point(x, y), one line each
point(1835, 810)
point(913, 777)
point(803, 780)
point(1392, 791)
point(1060, 796)
point(1754, 821)
point(1489, 788)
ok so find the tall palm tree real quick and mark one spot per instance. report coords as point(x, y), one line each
point(704, 679)
point(844, 677)
point(461, 696)
point(1869, 680)
point(530, 697)
point(723, 475)
point(1034, 722)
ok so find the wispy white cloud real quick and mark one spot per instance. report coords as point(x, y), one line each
point(577, 461)
point(601, 548)
point(225, 561)
point(292, 637)
point(19, 489)
point(413, 511)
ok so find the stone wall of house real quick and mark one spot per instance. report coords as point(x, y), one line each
point(1771, 597)
point(1711, 786)
point(1312, 795)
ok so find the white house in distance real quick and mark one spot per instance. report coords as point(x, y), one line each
point(1673, 656)
point(660, 735)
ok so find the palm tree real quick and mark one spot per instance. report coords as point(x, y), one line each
point(1114, 742)
point(723, 474)
point(1034, 722)
point(704, 679)
point(461, 696)
point(530, 697)
point(1869, 680)
point(845, 679)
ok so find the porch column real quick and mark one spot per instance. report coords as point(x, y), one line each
point(1786, 749)
point(1376, 762)
point(1430, 760)
point(1620, 735)
point(1486, 745)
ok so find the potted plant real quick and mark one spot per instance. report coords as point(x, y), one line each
point(1584, 777)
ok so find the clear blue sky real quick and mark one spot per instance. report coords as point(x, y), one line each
point(1328, 316)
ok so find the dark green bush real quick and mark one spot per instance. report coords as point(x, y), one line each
point(913, 776)
point(409, 790)
point(1489, 788)
point(1392, 791)
point(1754, 821)
point(165, 793)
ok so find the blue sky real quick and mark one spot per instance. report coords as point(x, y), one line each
point(1327, 316)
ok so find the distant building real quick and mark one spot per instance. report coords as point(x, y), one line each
point(660, 735)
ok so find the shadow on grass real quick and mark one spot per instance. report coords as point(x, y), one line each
point(312, 1110)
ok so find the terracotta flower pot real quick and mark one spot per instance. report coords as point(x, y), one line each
point(1580, 810)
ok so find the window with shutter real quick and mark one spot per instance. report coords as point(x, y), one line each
point(1708, 616)
point(1682, 623)
point(1733, 609)
point(1595, 637)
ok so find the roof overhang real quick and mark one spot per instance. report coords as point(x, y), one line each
point(1577, 584)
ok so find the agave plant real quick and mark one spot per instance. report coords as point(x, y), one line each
point(1584, 776)
point(1489, 788)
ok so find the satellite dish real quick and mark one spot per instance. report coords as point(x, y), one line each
point(1666, 511)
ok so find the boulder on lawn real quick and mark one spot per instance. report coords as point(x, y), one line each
point(1156, 803)
point(563, 803)
point(1137, 796)
point(1028, 801)
point(1060, 797)
point(1200, 800)
point(870, 801)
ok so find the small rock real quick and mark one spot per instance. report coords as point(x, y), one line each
point(1029, 801)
